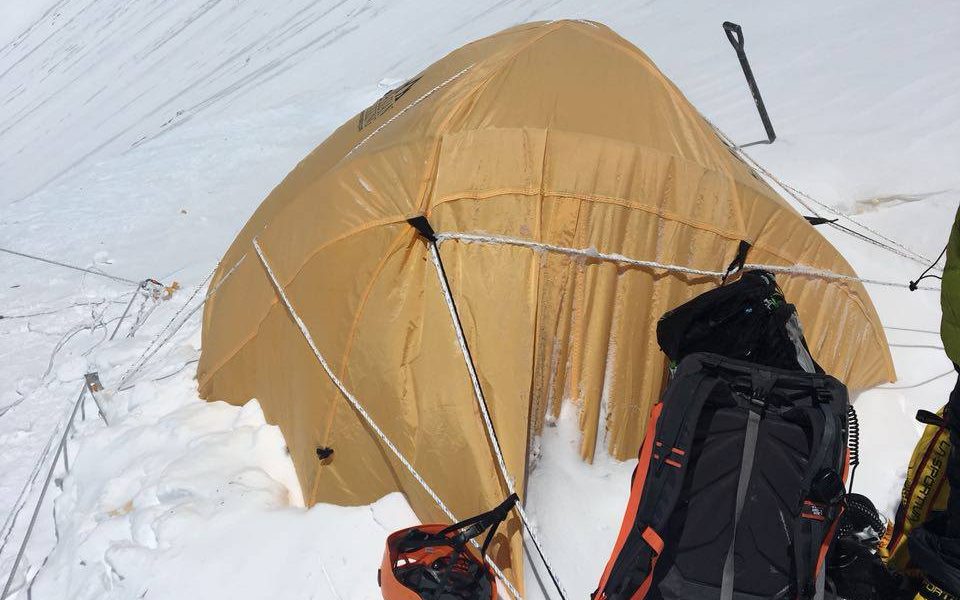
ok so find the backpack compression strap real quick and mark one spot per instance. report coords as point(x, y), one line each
point(762, 383)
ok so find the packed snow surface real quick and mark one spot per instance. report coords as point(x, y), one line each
point(139, 135)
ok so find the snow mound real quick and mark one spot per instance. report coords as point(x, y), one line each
point(179, 498)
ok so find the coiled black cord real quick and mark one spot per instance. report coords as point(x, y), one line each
point(924, 275)
point(853, 441)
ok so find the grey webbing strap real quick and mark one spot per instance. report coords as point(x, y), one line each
point(821, 583)
point(746, 469)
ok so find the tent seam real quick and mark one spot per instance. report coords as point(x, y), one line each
point(350, 339)
point(256, 329)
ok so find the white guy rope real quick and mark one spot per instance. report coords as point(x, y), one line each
point(153, 347)
point(808, 271)
point(800, 270)
point(143, 313)
point(799, 196)
point(72, 305)
point(408, 107)
point(482, 404)
point(363, 413)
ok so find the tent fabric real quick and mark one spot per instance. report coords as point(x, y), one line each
point(558, 132)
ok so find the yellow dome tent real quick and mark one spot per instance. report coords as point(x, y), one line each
point(565, 152)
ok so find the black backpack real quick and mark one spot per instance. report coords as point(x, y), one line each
point(748, 319)
point(738, 488)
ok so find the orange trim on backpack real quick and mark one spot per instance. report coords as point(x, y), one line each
point(653, 538)
point(656, 542)
point(825, 546)
point(633, 505)
point(673, 463)
point(846, 466)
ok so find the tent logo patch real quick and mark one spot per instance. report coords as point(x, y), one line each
point(385, 103)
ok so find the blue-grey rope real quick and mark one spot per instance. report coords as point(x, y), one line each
point(69, 266)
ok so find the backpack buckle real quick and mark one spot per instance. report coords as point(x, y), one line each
point(758, 401)
point(761, 382)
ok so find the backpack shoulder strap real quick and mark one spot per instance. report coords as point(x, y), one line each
point(673, 442)
point(658, 482)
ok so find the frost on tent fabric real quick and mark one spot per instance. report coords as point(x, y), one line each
point(518, 136)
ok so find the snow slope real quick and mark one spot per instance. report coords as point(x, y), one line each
point(138, 136)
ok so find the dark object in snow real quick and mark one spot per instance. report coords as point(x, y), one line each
point(748, 319)
point(914, 284)
point(741, 461)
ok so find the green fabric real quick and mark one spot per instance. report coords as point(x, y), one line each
point(950, 296)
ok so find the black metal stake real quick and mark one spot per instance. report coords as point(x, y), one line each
point(735, 35)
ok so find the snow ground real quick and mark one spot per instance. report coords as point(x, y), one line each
point(138, 136)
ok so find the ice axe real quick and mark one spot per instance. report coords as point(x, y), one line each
point(735, 35)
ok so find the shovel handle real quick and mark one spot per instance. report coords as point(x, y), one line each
point(734, 34)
